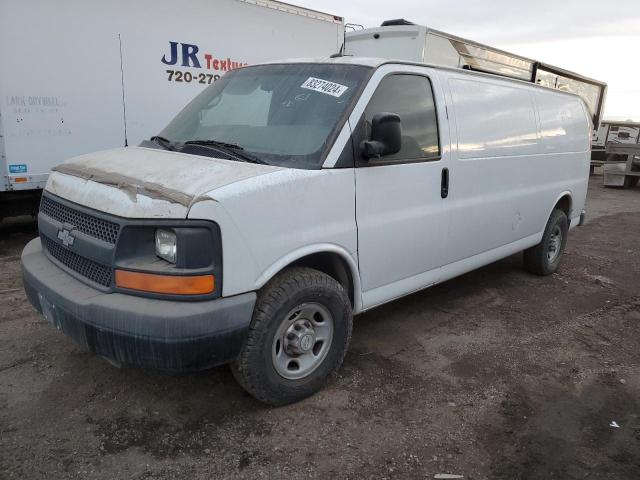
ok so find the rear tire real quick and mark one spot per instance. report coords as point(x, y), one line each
point(544, 258)
point(630, 181)
point(298, 336)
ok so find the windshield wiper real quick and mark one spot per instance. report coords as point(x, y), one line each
point(164, 143)
point(230, 149)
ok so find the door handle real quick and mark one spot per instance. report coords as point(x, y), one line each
point(444, 183)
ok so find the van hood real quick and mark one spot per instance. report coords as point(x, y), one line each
point(145, 182)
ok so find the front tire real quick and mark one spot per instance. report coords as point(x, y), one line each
point(298, 336)
point(544, 258)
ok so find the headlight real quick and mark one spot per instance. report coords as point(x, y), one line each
point(166, 246)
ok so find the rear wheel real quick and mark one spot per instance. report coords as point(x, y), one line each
point(298, 336)
point(544, 258)
point(630, 181)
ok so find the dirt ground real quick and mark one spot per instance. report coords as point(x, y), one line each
point(497, 374)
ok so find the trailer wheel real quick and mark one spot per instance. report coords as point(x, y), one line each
point(298, 336)
point(544, 258)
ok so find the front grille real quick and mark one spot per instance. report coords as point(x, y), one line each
point(83, 222)
point(94, 271)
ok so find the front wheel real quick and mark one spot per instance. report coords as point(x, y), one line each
point(544, 258)
point(298, 336)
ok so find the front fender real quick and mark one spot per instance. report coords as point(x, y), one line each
point(271, 221)
point(307, 250)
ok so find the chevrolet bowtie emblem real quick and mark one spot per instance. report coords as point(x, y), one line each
point(66, 237)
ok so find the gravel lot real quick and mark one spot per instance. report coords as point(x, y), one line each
point(494, 375)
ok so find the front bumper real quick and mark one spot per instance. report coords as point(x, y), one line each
point(151, 333)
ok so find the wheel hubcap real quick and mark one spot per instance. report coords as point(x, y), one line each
point(299, 338)
point(302, 340)
point(555, 244)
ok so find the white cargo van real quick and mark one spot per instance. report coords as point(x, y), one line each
point(287, 197)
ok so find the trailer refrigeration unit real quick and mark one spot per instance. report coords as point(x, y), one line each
point(400, 39)
point(88, 75)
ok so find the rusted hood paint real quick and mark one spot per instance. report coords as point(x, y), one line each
point(159, 175)
point(132, 186)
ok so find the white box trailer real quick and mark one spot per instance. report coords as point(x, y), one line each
point(79, 76)
point(401, 39)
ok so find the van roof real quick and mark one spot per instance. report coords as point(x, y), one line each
point(375, 62)
point(346, 59)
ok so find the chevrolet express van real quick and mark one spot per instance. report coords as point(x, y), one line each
point(288, 197)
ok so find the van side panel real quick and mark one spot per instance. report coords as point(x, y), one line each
point(563, 124)
point(564, 136)
point(511, 164)
point(492, 166)
point(493, 120)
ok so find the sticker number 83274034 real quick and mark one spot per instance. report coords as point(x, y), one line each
point(324, 86)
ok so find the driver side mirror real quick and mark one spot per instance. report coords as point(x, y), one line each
point(386, 136)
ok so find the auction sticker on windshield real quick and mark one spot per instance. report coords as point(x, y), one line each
point(324, 86)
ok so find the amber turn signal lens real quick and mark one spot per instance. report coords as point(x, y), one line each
point(170, 284)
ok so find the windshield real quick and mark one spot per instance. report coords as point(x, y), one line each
point(285, 114)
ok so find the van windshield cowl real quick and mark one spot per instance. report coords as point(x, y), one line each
point(285, 114)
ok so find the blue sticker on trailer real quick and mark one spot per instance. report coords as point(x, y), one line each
point(18, 168)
